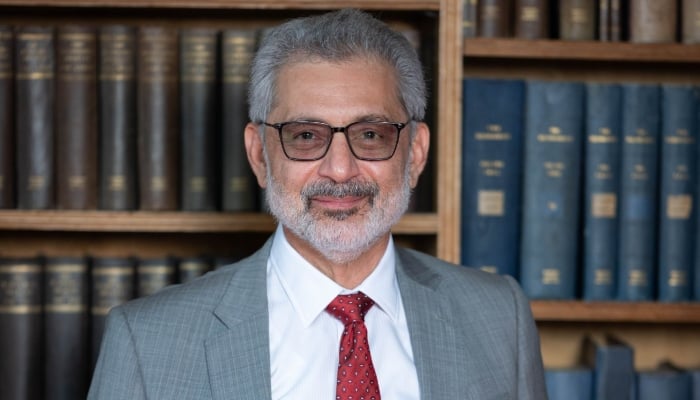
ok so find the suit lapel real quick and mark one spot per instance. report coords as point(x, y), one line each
point(238, 358)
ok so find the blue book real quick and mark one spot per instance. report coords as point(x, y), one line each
point(613, 368)
point(678, 180)
point(491, 169)
point(569, 384)
point(600, 190)
point(664, 385)
point(695, 379)
point(554, 115)
point(641, 125)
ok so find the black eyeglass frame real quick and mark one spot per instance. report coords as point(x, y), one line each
point(335, 129)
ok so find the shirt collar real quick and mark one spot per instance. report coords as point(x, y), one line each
point(309, 290)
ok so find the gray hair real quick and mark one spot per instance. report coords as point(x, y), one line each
point(335, 36)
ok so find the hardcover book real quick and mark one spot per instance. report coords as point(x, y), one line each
point(34, 102)
point(600, 190)
point(680, 108)
point(577, 19)
point(76, 118)
point(491, 174)
point(532, 19)
point(494, 18)
point(613, 364)
point(551, 192)
point(199, 117)
point(637, 249)
point(469, 18)
point(691, 21)
point(665, 383)
point(652, 21)
point(190, 268)
point(117, 83)
point(153, 274)
point(569, 383)
point(7, 118)
point(604, 20)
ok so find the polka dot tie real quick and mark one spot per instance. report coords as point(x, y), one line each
point(357, 379)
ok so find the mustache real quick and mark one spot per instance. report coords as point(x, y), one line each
point(332, 189)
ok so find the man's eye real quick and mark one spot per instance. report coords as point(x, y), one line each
point(370, 135)
point(305, 135)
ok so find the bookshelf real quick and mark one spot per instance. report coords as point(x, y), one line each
point(657, 331)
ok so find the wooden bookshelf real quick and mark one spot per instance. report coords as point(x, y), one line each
point(615, 311)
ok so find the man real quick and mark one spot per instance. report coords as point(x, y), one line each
point(329, 306)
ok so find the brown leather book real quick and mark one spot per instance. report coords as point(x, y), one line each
point(199, 128)
point(66, 336)
point(7, 118)
point(652, 21)
point(34, 113)
point(20, 329)
point(577, 19)
point(158, 118)
point(76, 118)
point(691, 21)
point(469, 18)
point(494, 18)
point(532, 19)
point(117, 84)
point(239, 187)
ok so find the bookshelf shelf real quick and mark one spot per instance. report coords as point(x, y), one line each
point(616, 312)
point(583, 51)
point(232, 4)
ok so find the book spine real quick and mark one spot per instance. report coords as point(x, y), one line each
point(691, 21)
point(76, 118)
point(494, 18)
point(664, 385)
point(117, 83)
point(532, 19)
point(153, 275)
point(577, 19)
point(678, 178)
point(569, 383)
point(637, 247)
point(239, 184)
point(604, 20)
point(617, 21)
point(192, 267)
point(34, 102)
point(7, 118)
point(469, 18)
point(601, 183)
point(551, 191)
point(695, 378)
point(652, 21)
point(112, 282)
point(20, 336)
point(614, 372)
point(66, 358)
point(491, 173)
point(158, 118)
point(198, 90)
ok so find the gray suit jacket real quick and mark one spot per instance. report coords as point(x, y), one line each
point(472, 333)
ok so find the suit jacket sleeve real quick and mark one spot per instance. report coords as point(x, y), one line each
point(117, 374)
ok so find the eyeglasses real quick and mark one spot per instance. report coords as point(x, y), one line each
point(310, 140)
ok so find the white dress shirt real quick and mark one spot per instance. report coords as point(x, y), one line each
point(304, 339)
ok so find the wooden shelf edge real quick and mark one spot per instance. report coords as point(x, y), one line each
point(583, 51)
point(612, 311)
point(233, 4)
point(170, 221)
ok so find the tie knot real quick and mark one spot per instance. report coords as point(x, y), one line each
point(349, 308)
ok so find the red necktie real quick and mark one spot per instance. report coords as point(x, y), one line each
point(357, 379)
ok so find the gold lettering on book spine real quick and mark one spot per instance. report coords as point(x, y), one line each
point(677, 278)
point(551, 276)
point(111, 286)
point(20, 289)
point(679, 206)
point(199, 58)
point(117, 57)
point(602, 277)
point(76, 56)
point(491, 203)
point(35, 56)
point(65, 288)
point(604, 205)
point(237, 54)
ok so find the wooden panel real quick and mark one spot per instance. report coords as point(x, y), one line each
point(643, 312)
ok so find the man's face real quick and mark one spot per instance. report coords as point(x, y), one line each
point(339, 205)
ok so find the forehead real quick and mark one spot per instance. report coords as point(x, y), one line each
point(335, 91)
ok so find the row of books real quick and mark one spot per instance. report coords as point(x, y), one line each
point(591, 188)
point(53, 311)
point(607, 372)
point(639, 21)
point(124, 118)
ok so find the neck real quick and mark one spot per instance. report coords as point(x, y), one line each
point(348, 273)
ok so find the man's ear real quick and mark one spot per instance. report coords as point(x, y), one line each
point(419, 151)
point(254, 150)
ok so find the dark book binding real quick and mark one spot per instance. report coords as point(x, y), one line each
point(7, 118)
point(491, 173)
point(112, 282)
point(680, 111)
point(613, 364)
point(158, 118)
point(190, 268)
point(600, 190)
point(494, 18)
point(66, 335)
point(695, 378)
point(469, 18)
point(618, 20)
point(653, 21)
point(153, 274)
point(76, 118)
point(117, 93)
point(34, 124)
point(665, 383)
point(690, 21)
point(637, 248)
point(20, 336)
point(551, 191)
point(239, 187)
point(569, 383)
point(199, 117)
point(532, 19)
point(604, 20)
point(577, 19)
